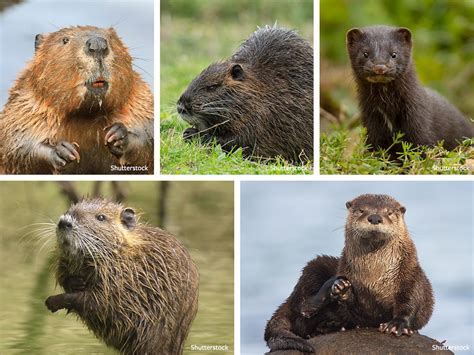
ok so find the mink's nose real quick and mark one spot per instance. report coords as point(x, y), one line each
point(184, 105)
point(97, 46)
point(379, 69)
point(65, 223)
point(374, 219)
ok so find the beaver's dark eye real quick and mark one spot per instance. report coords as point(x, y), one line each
point(65, 40)
point(101, 217)
point(366, 54)
point(394, 55)
point(212, 87)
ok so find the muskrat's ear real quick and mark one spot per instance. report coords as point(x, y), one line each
point(38, 40)
point(402, 209)
point(404, 34)
point(348, 204)
point(128, 218)
point(237, 72)
point(353, 35)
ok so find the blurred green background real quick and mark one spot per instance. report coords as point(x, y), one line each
point(443, 34)
point(200, 214)
point(195, 34)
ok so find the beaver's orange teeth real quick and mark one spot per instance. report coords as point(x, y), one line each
point(98, 84)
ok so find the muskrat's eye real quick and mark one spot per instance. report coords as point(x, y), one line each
point(366, 54)
point(65, 40)
point(101, 217)
point(394, 55)
point(212, 87)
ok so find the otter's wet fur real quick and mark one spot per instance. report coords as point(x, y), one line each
point(138, 286)
point(77, 108)
point(261, 99)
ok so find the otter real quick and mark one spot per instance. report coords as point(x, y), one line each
point(377, 282)
point(261, 99)
point(135, 286)
point(391, 98)
point(78, 108)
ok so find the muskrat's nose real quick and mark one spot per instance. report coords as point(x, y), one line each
point(65, 223)
point(380, 69)
point(374, 219)
point(184, 105)
point(97, 46)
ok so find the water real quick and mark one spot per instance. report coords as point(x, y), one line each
point(286, 224)
point(133, 21)
point(199, 213)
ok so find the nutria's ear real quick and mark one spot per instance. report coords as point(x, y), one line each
point(403, 210)
point(404, 34)
point(353, 35)
point(237, 72)
point(38, 40)
point(128, 218)
point(348, 204)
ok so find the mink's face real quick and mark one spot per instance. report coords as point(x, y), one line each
point(379, 54)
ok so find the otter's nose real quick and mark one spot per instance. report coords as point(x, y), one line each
point(184, 105)
point(374, 219)
point(97, 46)
point(380, 69)
point(64, 223)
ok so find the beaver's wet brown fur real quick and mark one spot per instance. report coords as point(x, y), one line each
point(77, 108)
point(134, 286)
point(261, 99)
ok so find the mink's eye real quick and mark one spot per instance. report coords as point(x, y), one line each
point(394, 55)
point(212, 87)
point(65, 40)
point(366, 54)
point(101, 217)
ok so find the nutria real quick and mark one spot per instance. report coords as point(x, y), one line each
point(377, 282)
point(391, 98)
point(78, 108)
point(261, 99)
point(135, 286)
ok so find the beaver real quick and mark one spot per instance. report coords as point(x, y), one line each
point(261, 99)
point(78, 108)
point(135, 286)
point(377, 282)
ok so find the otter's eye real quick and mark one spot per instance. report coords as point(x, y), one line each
point(394, 55)
point(212, 87)
point(366, 54)
point(101, 217)
point(65, 40)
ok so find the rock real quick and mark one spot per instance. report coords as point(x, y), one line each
point(369, 341)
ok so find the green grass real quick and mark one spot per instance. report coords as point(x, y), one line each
point(340, 155)
point(191, 39)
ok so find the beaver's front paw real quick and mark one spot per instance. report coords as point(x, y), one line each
point(64, 153)
point(190, 133)
point(116, 139)
point(397, 326)
point(55, 303)
point(340, 289)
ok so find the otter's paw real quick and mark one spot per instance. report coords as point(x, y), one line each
point(75, 284)
point(116, 138)
point(64, 153)
point(290, 343)
point(397, 326)
point(340, 289)
point(190, 133)
point(55, 303)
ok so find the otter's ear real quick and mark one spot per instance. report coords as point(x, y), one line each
point(353, 35)
point(237, 72)
point(348, 204)
point(403, 210)
point(404, 34)
point(38, 40)
point(128, 218)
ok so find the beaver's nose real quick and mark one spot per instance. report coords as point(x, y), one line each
point(97, 46)
point(65, 223)
point(374, 219)
point(184, 105)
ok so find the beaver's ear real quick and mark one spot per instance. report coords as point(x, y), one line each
point(128, 218)
point(38, 40)
point(348, 204)
point(237, 72)
point(403, 210)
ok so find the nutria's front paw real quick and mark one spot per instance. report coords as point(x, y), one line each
point(397, 326)
point(64, 153)
point(116, 138)
point(190, 133)
point(340, 289)
point(55, 303)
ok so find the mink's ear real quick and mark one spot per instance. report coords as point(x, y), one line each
point(403, 210)
point(348, 204)
point(404, 34)
point(128, 218)
point(38, 40)
point(353, 35)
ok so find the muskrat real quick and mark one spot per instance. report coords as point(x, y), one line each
point(377, 282)
point(391, 98)
point(261, 99)
point(78, 108)
point(135, 286)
